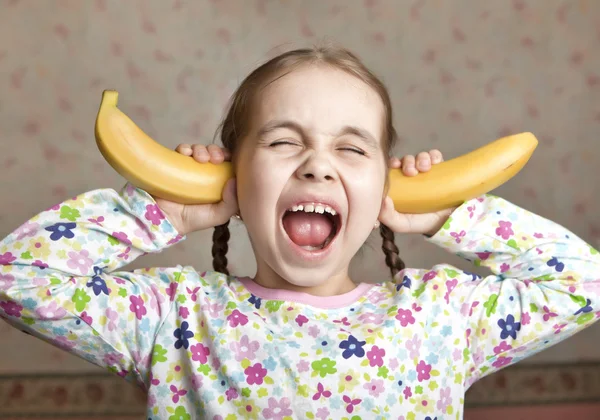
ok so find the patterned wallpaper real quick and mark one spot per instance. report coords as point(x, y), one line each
point(460, 72)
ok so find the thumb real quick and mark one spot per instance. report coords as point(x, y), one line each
point(228, 206)
point(390, 217)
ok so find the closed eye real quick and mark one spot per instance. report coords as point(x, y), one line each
point(282, 142)
point(352, 149)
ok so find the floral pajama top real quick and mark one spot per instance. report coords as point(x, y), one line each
point(205, 345)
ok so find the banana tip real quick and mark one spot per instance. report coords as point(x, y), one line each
point(110, 98)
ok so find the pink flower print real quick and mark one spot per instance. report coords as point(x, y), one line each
point(237, 318)
point(122, 237)
point(458, 236)
point(375, 356)
point(27, 229)
point(504, 230)
point(351, 403)
point(504, 267)
point(301, 320)
point(40, 264)
point(375, 387)
point(456, 355)
point(193, 293)
point(153, 380)
point(137, 306)
point(7, 258)
point(63, 342)
point(314, 331)
point(302, 366)
point(112, 317)
point(322, 413)
point(343, 321)
point(430, 275)
point(413, 346)
point(393, 364)
point(407, 392)
point(548, 314)
point(200, 353)
point(154, 214)
point(177, 393)
point(478, 357)
point(11, 308)
point(376, 297)
point(423, 371)
point(98, 221)
point(483, 255)
point(255, 374)
point(277, 410)
point(6, 281)
point(197, 381)
point(558, 328)
point(502, 347)
point(471, 209)
point(213, 309)
point(371, 318)
point(143, 233)
point(405, 317)
point(80, 261)
point(156, 297)
point(231, 394)
point(124, 254)
point(183, 312)
point(175, 239)
point(450, 285)
point(244, 349)
point(502, 361)
point(321, 392)
point(171, 291)
point(112, 359)
point(445, 399)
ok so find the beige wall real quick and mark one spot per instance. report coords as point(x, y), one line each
point(460, 72)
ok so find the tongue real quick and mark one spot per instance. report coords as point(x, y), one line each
point(307, 229)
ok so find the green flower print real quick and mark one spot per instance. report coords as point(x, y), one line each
point(69, 213)
point(180, 414)
point(323, 367)
point(158, 354)
point(80, 299)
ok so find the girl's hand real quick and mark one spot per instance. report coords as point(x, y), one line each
point(427, 224)
point(189, 218)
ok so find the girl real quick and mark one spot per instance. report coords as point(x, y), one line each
point(309, 133)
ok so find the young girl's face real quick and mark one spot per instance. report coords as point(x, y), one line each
point(315, 140)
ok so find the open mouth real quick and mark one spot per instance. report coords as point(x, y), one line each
point(312, 226)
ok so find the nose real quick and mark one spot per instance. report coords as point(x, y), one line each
point(316, 168)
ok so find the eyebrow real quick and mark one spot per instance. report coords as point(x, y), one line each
point(294, 126)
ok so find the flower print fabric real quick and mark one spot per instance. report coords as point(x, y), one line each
point(206, 345)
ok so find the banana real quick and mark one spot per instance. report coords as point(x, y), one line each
point(164, 173)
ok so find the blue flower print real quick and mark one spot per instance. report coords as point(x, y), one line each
point(352, 347)
point(269, 364)
point(97, 283)
point(182, 335)
point(509, 327)
point(446, 330)
point(587, 308)
point(256, 301)
point(558, 266)
point(61, 230)
point(406, 282)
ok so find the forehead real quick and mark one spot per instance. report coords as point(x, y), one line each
point(321, 99)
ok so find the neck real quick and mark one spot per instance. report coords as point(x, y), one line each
point(336, 285)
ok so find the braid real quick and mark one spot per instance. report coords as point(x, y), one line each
point(392, 260)
point(219, 249)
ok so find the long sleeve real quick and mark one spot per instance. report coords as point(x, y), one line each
point(544, 286)
point(59, 278)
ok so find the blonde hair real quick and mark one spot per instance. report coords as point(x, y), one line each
point(236, 124)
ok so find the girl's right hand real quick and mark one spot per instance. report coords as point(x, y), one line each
point(190, 218)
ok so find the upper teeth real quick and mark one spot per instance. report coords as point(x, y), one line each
point(317, 208)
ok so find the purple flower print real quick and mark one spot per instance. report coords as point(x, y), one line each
point(405, 317)
point(502, 347)
point(504, 230)
point(321, 392)
point(200, 353)
point(423, 371)
point(27, 229)
point(558, 266)
point(509, 327)
point(255, 374)
point(351, 403)
point(237, 318)
point(231, 394)
point(197, 382)
point(301, 320)
point(183, 335)
point(445, 399)
point(177, 393)
point(154, 214)
point(80, 261)
point(6, 280)
point(407, 392)
point(7, 258)
point(430, 275)
point(406, 282)
point(413, 346)
point(371, 318)
point(97, 283)
point(502, 361)
point(122, 237)
point(323, 413)
point(352, 347)
point(375, 387)
point(277, 410)
point(61, 230)
point(51, 311)
point(137, 306)
point(40, 264)
point(255, 300)
point(458, 236)
point(375, 356)
point(244, 349)
point(11, 309)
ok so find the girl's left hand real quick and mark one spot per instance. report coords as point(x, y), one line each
point(427, 224)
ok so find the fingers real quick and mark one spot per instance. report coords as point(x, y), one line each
point(423, 162)
point(436, 156)
point(203, 154)
point(408, 165)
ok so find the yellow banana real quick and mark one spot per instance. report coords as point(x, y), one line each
point(167, 174)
